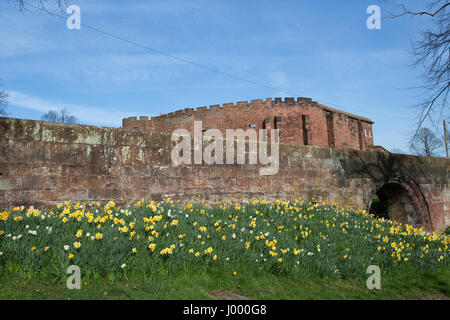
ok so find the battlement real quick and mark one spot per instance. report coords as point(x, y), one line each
point(300, 121)
point(268, 102)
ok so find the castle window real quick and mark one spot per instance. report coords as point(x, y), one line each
point(277, 125)
point(264, 127)
point(330, 128)
point(365, 132)
point(277, 122)
point(252, 125)
point(266, 123)
point(305, 130)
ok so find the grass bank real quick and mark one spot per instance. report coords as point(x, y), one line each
point(279, 250)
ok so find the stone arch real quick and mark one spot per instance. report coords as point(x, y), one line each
point(404, 201)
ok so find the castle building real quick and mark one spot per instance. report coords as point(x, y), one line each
point(301, 121)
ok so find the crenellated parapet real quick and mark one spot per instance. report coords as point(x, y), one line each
point(300, 120)
point(269, 102)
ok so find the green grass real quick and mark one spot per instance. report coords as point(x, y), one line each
point(281, 250)
point(410, 284)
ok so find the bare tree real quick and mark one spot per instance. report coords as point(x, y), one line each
point(62, 116)
point(66, 117)
point(41, 4)
point(3, 102)
point(448, 141)
point(432, 52)
point(51, 116)
point(425, 143)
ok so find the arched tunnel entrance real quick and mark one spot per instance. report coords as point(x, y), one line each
point(400, 198)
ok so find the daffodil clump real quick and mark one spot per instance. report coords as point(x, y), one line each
point(278, 237)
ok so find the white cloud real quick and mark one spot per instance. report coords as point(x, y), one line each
point(86, 114)
point(24, 38)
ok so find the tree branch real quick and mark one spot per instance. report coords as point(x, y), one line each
point(419, 13)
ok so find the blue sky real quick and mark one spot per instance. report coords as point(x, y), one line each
point(318, 49)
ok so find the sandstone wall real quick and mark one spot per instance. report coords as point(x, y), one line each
point(42, 164)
